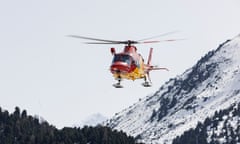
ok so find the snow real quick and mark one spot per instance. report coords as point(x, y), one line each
point(218, 91)
point(94, 120)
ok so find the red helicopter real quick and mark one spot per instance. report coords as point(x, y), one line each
point(129, 64)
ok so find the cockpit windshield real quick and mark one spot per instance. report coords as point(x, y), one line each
point(122, 58)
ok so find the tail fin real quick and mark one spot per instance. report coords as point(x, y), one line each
point(150, 56)
point(149, 67)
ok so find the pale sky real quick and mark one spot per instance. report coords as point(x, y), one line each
point(64, 81)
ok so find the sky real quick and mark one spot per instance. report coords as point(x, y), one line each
point(63, 80)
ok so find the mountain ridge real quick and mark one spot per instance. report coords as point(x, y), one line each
point(210, 85)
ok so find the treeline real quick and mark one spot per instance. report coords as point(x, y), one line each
point(20, 128)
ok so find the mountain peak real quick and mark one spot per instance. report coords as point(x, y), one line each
point(210, 85)
point(94, 120)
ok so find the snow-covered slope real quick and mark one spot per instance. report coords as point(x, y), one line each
point(212, 84)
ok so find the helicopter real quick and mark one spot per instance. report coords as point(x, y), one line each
point(129, 64)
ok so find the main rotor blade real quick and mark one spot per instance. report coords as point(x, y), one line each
point(158, 68)
point(101, 43)
point(157, 41)
point(94, 39)
point(164, 34)
point(128, 42)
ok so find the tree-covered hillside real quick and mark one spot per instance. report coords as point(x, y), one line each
point(20, 128)
point(222, 128)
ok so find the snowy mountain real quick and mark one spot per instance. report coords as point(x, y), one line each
point(94, 120)
point(211, 85)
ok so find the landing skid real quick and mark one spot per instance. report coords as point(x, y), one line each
point(117, 85)
point(147, 84)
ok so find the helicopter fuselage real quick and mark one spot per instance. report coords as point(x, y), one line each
point(127, 64)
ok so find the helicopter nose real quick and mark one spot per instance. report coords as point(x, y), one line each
point(120, 67)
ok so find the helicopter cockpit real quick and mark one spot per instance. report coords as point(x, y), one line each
point(122, 58)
